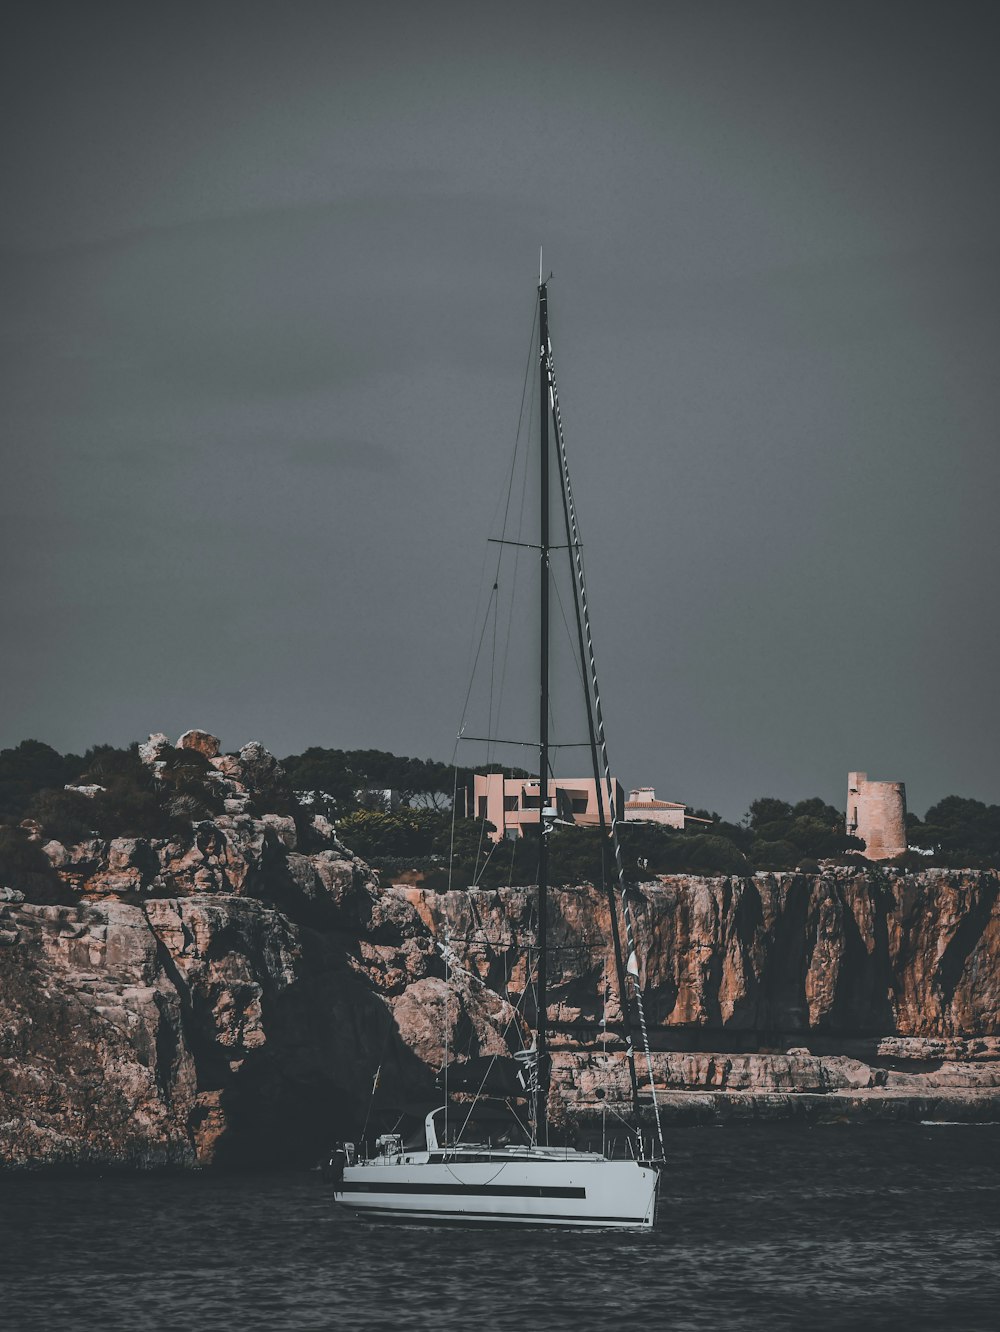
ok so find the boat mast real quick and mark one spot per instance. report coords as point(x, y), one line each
point(542, 1078)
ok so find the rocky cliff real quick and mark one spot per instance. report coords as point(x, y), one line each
point(231, 996)
point(845, 951)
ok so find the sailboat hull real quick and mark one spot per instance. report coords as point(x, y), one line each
point(539, 1191)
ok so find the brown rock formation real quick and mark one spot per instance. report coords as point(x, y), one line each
point(197, 1029)
point(229, 996)
point(847, 952)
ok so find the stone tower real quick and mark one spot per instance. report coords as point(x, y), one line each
point(876, 812)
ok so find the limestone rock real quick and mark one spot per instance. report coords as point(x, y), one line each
point(258, 767)
point(893, 953)
point(152, 750)
point(118, 1088)
point(438, 1019)
point(57, 854)
point(228, 765)
point(182, 1031)
point(227, 993)
point(201, 741)
point(283, 828)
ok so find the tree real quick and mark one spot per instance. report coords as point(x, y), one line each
point(25, 867)
point(767, 810)
point(30, 767)
point(961, 830)
point(374, 833)
point(63, 816)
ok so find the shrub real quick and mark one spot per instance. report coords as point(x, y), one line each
point(31, 767)
point(774, 855)
point(412, 832)
point(66, 816)
point(25, 866)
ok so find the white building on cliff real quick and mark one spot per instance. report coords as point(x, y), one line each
point(642, 806)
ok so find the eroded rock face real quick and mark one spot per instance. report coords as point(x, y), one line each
point(229, 996)
point(93, 1069)
point(883, 952)
point(192, 1030)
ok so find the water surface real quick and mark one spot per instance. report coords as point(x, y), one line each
point(894, 1227)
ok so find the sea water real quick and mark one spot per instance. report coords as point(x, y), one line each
point(760, 1227)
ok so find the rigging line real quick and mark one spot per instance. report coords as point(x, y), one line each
point(454, 807)
point(472, 677)
point(447, 1015)
point(510, 867)
point(529, 363)
point(633, 965)
point(517, 1117)
point(569, 639)
point(488, 857)
point(517, 436)
point(528, 378)
point(489, 747)
point(477, 872)
point(606, 886)
point(470, 667)
point(503, 1034)
point(375, 1080)
point(533, 363)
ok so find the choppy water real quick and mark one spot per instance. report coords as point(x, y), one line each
point(761, 1227)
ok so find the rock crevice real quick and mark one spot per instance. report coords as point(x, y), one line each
point(234, 996)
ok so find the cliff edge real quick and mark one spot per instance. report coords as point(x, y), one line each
point(231, 994)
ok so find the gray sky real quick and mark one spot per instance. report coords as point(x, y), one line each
point(268, 274)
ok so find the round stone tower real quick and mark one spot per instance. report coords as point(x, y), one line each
point(876, 812)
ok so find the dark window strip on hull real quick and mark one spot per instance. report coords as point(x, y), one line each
point(505, 1217)
point(469, 1190)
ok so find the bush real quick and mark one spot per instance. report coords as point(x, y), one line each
point(413, 832)
point(775, 855)
point(25, 867)
point(66, 816)
point(31, 767)
point(707, 854)
point(963, 832)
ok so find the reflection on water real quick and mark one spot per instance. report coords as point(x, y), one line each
point(761, 1227)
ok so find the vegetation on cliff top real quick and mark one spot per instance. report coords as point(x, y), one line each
point(130, 800)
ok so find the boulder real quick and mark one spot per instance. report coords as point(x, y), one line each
point(201, 741)
point(151, 751)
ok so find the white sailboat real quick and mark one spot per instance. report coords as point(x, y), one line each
point(533, 1184)
point(475, 1183)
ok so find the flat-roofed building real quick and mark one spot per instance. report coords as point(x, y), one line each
point(511, 804)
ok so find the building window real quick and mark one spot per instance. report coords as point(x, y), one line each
point(532, 802)
point(482, 807)
point(510, 803)
point(579, 804)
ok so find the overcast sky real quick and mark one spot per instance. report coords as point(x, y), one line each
point(268, 274)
